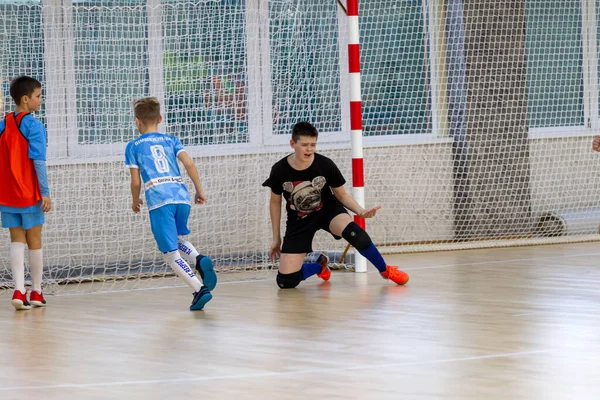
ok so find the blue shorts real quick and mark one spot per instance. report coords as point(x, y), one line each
point(26, 220)
point(168, 222)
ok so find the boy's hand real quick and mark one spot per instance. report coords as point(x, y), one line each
point(136, 205)
point(46, 204)
point(275, 251)
point(200, 197)
point(369, 213)
point(596, 143)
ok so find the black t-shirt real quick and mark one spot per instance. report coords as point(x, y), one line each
point(306, 191)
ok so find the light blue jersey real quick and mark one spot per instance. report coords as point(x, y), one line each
point(155, 155)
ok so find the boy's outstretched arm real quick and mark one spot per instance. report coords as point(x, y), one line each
point(348, 201)
point(190, 167)
point(275, 212)
point(136, 188)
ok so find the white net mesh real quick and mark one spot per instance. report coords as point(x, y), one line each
point(477, 119)
point(305, 64)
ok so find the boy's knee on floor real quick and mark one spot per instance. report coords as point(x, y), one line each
point(289, 281)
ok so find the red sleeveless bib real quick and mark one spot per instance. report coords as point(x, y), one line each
point(19, 185)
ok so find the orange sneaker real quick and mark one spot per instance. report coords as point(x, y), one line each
point(37, 299)
point(394, 274)
point(19, 301)
point(325, 273)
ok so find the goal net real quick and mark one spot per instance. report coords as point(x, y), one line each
point(477, 118)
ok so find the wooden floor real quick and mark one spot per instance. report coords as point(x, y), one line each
point(516, 323)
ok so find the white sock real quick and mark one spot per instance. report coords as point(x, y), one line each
point(36, 267)
point(17, 264)
point(182, 269)
point(188, 251)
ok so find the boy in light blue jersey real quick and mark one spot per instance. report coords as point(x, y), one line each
point(153, 156)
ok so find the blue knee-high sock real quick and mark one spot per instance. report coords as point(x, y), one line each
point(310, 269)
point(372, 254)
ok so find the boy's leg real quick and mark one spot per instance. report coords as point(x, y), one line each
point(187, 250)
point(182, 269)
point(205, 269)
point(162, 221)
point(290, 270)
point(36, 257)
point(323, 261)
point(288, 262)
point(17, 256)
point(296, 244)
point(317, 267)
point(168, 223)
point(13, 222)
point(204, 265)
point(343, 225)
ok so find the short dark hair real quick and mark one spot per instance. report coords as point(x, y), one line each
point(304, 129)
point(23, 86)
point(147, 110)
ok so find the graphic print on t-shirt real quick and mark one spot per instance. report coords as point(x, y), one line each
point(305, 196)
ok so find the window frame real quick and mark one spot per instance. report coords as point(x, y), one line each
point(63, 142)
point(590, 81)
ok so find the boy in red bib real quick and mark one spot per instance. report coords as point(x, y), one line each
point(25, 196)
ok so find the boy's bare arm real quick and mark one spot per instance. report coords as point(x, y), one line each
point(190, 167)
point(348, 201)
point(275, 212)
point(136, 188)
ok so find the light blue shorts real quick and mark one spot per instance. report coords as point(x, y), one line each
point(26, 220)
point(168, 222)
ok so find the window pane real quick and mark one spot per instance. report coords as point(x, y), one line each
point(110, 67)
point(21, 48)
point(554, 63)
point(394, 67)
point(305, 65)
point(205, 68)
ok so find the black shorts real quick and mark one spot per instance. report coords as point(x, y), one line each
point(299, 234)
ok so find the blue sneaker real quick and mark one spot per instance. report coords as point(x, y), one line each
point(200, 299)
point(205, 269)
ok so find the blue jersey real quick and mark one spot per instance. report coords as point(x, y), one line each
point(155, 155)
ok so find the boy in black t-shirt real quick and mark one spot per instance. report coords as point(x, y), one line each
point(313, 188)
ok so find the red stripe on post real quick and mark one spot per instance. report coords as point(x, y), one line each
point(360, 221)
point(355, 115)
point(352, 8)
point(358, 175)
point(354, 57)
